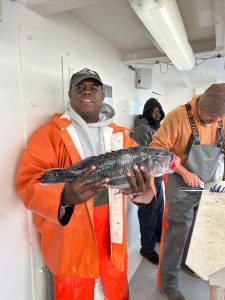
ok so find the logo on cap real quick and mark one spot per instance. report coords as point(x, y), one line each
point(86, 71)
point(84, 74)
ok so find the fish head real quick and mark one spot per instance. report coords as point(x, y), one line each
point(162, 162)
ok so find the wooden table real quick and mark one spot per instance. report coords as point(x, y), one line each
point(206, 254)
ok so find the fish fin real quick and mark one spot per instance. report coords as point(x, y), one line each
point(120, 182)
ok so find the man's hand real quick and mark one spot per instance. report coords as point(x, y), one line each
point(218, 187)
point(140, 183)
point(189, 178)
point(79, 190)
point(192, 179)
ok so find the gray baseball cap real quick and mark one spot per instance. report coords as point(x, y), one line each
point(84, 74)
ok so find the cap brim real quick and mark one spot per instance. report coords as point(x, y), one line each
point(88, 76)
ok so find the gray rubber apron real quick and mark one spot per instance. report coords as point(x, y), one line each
point(202, 160)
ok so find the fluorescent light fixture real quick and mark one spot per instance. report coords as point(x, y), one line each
point(163, 20)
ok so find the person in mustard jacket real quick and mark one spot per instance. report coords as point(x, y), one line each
point(195, 133)
point(82, 225)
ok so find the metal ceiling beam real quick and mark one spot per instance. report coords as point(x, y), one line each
point(141, 56)
point(219, 23)
point(186, 77)
point(0, 10)
point(49, 7)
point(219, 33)
point(151, 56)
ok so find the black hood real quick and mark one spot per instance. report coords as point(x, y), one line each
point(150, 105)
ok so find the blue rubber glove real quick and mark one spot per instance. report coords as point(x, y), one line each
point(218, 187)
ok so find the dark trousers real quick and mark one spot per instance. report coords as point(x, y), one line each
point(151, 220)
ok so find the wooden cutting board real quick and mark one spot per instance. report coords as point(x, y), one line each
point(206, 254)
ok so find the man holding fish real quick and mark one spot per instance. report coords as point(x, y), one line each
point(195, 133)
point(81, 221)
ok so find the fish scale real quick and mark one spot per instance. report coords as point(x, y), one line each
point(115, 165)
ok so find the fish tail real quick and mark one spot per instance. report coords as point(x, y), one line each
point(57, 175)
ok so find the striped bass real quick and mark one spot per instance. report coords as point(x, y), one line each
point(115, 165)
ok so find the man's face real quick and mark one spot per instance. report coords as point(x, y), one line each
point(207, 119)
point(155, 114)
point(86, 99)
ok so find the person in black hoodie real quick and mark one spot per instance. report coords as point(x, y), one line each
point(150, 220)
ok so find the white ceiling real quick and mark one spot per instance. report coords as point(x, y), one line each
point(117, 23)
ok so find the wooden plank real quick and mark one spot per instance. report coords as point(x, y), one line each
point(206, 254)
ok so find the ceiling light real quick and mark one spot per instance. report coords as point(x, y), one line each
point(163, 20)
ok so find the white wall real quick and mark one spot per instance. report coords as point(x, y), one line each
point(31, 89)
point(175, 96)
point(178, 95)
point(142, 95)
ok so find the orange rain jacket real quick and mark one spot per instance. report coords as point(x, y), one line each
point(69, 250)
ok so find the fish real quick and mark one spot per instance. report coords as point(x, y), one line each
point(114, 165)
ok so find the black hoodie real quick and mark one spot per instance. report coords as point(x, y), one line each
point(145, 126)
point(149, 106)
